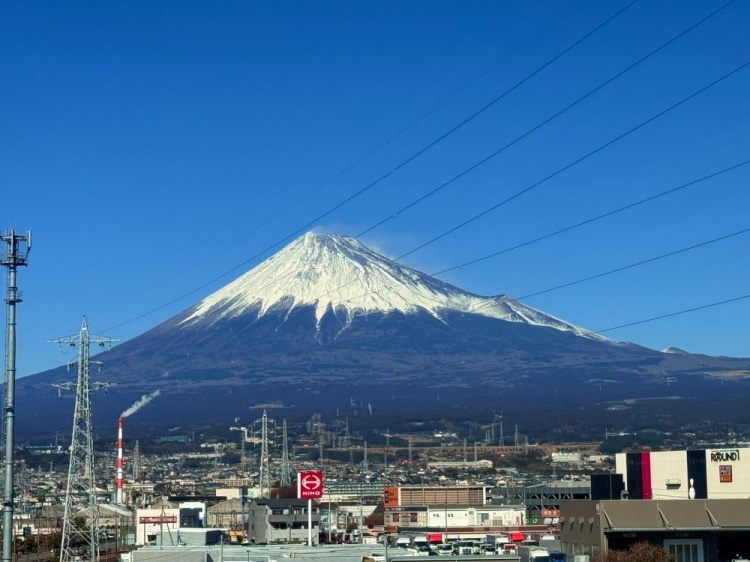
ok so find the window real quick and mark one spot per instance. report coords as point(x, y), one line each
point(413, 518)
point(395, 517)
point(685, 550)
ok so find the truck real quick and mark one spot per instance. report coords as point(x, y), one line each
point(533, 554)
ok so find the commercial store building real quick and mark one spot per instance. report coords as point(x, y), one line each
point(710, 473)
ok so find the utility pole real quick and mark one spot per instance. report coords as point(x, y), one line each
point(385, 455)
point(286, 471)
point(80, 494)
point(18, 248)
point(137, 461)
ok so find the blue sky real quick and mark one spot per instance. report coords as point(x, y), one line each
point(153, 147)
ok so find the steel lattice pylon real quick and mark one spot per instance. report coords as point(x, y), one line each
point(81, 517)
point(265, 459)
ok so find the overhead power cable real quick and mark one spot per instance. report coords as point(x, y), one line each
point(544, 237)
point(490, 304)
point(636, 264)
point(671, 314)
point(436, 141)
point(593, 219)
point(559, 171)
point(540, 125)
point(575, 162)
point(558, 232)
point(384, 176)
point(390, 139)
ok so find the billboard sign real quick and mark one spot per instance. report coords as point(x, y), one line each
point(158, 519)
point(725, 473)
point(310, 485)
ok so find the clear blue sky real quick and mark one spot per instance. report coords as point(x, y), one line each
point(153, 146)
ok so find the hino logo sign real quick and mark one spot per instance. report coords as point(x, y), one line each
point(724, 456)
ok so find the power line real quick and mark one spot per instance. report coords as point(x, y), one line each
point(561, 231)
point(678, 313)
point(594, 219)
point(492, 303)
point(559, 171)
point(441, 137)
point(540, 125)
point(386, 175)
point(636, 264)
point(385, 143)
point(575, 162)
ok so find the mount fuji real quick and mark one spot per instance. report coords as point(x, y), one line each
point(338, 275)
point(327, 325)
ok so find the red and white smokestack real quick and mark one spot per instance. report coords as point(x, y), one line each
point(118, 497)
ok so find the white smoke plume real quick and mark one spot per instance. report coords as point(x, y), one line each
point(140, 403)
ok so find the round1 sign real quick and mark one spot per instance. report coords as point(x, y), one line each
point(310, 485)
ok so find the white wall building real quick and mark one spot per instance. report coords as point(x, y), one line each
point(150, 522)
point(714, 473)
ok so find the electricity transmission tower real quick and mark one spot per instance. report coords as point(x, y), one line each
point(16, 255)
point(81, 516)
point(265, 457)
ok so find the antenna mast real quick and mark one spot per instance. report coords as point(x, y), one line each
point(17, 254)
point(80, 494)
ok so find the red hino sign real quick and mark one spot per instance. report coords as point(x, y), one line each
point(310, 485)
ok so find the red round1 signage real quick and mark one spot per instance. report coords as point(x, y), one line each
point(310, 485)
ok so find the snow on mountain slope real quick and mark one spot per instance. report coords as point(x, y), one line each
point(328, 271)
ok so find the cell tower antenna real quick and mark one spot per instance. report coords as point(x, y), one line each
point(286, 471)
point(17, 254)
point(80, 494)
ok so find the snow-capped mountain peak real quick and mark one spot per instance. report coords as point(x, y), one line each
point(331, 272)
